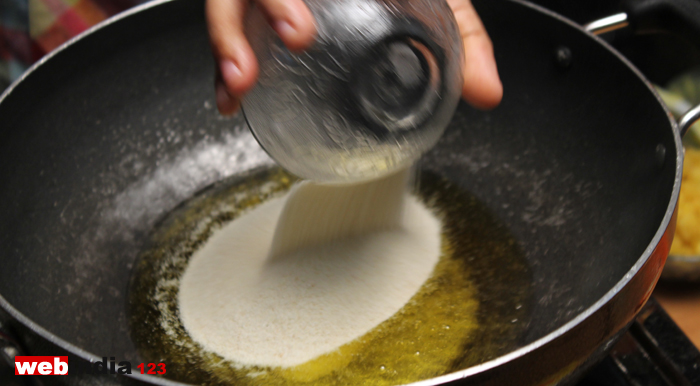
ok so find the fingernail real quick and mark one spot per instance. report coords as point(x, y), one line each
point(224, 101)
point(229, 71)
point(283, 28)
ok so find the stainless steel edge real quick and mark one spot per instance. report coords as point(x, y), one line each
point(607, 24)
point(688, 120)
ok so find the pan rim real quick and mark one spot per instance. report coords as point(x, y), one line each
point(468, 372)
point(636, 267)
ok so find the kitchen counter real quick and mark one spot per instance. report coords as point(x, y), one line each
point(682, 303)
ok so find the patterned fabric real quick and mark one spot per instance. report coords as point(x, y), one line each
point(29, 29)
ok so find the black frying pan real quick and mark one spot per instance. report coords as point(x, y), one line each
point(114, 130)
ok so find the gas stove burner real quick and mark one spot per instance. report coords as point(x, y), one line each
point(654, 352)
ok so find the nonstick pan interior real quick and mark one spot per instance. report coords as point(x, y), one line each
point(116, 130)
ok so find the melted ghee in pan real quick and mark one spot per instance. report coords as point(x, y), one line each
point(472, 309)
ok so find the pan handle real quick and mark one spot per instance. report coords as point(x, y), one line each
point(650, 16)
point(688, 119)
point(607, 24)
point(679, 16)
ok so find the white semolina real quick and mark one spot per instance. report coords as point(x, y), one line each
point(299, 276)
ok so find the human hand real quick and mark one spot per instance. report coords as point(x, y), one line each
point(237, 68)
point(482, 86)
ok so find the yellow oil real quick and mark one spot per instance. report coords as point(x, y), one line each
point(472, 309)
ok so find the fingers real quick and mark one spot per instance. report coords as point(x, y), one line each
point(225, 101)
point(237, 67)
point(292, 21)
point(482, 86)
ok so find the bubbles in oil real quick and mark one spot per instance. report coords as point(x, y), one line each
point(474, 307)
